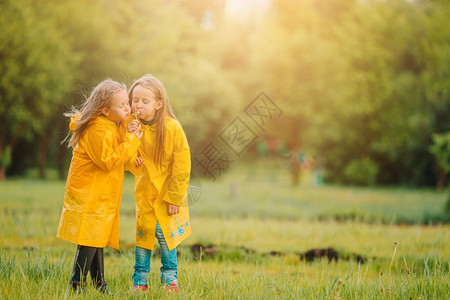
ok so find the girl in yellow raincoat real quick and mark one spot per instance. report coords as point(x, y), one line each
point(90, 215)
point(161, 182)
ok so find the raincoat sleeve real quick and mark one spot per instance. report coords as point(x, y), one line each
point(181, 168)
point(130, 165)
point(123, 127)
point(100, 148)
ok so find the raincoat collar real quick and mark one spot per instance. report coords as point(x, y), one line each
point(151, 127)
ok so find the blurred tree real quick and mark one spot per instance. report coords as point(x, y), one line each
point(359, 81)
point(441, 151)
point(363, 84)
point(296, 63)
point(390, 110)
point(207, 13)
point(95, 45)
point(125, 40)
point(161, 38)
point(374, 109)
point(436, 80)
point(36, 73)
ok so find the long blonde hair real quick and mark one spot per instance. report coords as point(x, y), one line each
point(99, 99)
point(156, 86)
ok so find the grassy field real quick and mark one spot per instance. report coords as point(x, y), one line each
point(253, 227)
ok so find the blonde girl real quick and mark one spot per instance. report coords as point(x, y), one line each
point(90, 215)
point(161, 182)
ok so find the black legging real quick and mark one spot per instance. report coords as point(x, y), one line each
point(88, 259)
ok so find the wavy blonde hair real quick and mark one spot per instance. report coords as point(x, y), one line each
point(99, 99)
point(156, 86)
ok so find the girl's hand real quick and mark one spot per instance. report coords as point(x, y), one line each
point(172, 209)
point(132, 126)
point(135, 129)
point(139, 161)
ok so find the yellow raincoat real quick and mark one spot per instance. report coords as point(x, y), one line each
point(90, 216)
point(155, 187)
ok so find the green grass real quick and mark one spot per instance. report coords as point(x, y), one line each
point(44, 275)
point(263, 190)
point(265, 214)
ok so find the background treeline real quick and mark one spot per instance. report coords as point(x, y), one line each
point(363, 85)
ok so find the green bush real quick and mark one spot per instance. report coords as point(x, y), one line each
point(441, 150)
point(361, 172)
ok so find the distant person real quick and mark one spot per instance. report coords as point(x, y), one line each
point(160, 184)
point(90, 216)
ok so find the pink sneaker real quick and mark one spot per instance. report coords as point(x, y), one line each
point(172, 287)
point(139, 288)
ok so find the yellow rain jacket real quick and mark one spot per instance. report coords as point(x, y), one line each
point(90, 216)
point(156, 187)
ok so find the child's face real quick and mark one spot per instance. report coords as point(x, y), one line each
point(119, 109)
point(145, 103)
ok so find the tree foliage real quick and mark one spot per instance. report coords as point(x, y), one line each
point(363, 85)
point(36, 74)
point(358, 85)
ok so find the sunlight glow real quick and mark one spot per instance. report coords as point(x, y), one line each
point(243, 8)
